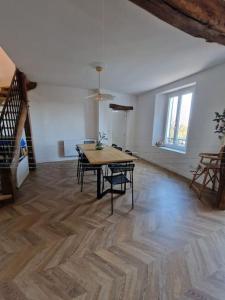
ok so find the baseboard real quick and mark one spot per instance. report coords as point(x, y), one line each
point(186, 179)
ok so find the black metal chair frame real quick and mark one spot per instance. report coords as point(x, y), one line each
point(119, 164)
point(85, 166)
point(78, 162)
point(121, 179)
point(118, 148)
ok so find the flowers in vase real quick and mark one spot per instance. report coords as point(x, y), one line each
point(101, 138)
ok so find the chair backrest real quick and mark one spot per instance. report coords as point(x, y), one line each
point(78, 150)
point(89, 142)
point(122, 168)
point(129, 152)
point(114, 145)
point(119, 148)
point(222, 157)
point(222, 152)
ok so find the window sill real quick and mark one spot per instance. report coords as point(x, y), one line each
point(173, 150)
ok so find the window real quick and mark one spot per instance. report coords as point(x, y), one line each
point(178, 115)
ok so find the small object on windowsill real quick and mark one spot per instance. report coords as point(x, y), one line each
point(159, 144)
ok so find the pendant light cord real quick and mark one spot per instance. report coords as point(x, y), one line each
point(103, 29)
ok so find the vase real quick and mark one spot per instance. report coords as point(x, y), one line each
point(99, 146)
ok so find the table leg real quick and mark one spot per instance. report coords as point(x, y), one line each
point(99, 174)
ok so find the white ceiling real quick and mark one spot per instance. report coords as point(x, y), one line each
point(54, 41)
point(7, 69)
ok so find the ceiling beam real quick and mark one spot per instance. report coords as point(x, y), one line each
point(199, 18)
point(120, 107)
point(31, 85)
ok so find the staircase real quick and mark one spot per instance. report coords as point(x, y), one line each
point(14, 118)
point(3, 95)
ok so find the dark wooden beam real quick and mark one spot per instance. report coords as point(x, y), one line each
point(199, 18)
point(31, 85)
point(120, 107)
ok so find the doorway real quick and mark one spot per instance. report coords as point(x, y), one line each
point(119, 128)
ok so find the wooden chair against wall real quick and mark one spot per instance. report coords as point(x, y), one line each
point(209, 169)
point(221, 190)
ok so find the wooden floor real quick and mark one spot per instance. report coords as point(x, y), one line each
point(57, 243)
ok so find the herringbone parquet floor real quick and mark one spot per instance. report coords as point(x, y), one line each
point(57, 243)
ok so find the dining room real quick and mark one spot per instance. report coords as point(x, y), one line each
point(112, 150)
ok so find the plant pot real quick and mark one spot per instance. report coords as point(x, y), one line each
point(99, 147)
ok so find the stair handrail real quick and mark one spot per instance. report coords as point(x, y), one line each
point(7, 97)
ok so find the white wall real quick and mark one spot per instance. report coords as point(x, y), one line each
point(105, 118)
point(60, 113)
point(119, 126)
point(22, 171)
point(209, 97)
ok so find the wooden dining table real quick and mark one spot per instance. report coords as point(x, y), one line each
point(106, 156)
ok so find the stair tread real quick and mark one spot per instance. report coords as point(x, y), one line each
point(5, 197)
point(4, 88)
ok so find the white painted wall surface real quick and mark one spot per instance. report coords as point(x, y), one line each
point(105, 118)
point(60, 113)
point(209, 97)
point(22, 171)
point(119, 128)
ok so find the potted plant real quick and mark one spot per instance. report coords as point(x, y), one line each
point(220, 126)
point(101, 137)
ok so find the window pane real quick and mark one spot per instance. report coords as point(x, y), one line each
point(184, 119)
point(172, 114)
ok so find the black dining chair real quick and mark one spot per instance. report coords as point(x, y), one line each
point(119, 164)
point(118, 148)
point(78, 161)
point(120, 179)
point(82, 159)
point(128, 152)
point(85, 166)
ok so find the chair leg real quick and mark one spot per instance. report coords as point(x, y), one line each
point(125, 184)
point(78, 166)
point(106, 170)
point(194, 177)
point(103, 182)
point(111, 200)
point(203, 183)
point(79, 172)
point(132, 191)
point(130, 179)
point(214, 180)
point(78, 179)
point(82, 180)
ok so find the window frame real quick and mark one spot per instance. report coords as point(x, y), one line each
point(177, 93)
